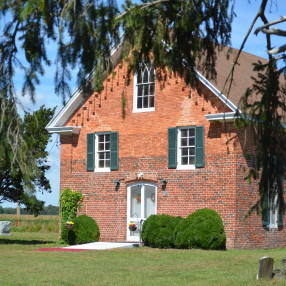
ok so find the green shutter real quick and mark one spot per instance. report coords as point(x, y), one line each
point(280, 200)
point(200, 153)
point(265, 212)
point(113, 151)
point(172, 148)
point(280, 214)
point(90, 152)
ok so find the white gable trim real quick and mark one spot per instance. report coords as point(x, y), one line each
point(219, 94)
point(56, 125)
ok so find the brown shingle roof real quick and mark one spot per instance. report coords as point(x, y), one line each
point(242, 73)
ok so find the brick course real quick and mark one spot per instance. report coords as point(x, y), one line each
point(143, 147)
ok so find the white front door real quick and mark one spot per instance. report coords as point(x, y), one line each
point(141, 203)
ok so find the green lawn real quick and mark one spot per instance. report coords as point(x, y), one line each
point(21, 264)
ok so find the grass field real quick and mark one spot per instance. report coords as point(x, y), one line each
point(30, 223)
point(22, 264)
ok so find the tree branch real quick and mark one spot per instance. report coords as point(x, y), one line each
point(282, 19)
point(235, 62)
point(274, 31)
point(277, 50)
point(142, 6)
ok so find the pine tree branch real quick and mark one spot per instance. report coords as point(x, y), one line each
point(141, 6)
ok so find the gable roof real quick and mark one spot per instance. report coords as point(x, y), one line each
point(243, 72)
point(241, 80)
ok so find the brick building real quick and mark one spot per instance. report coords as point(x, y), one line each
point(166, 148)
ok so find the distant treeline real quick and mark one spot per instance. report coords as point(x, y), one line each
point(48, 210)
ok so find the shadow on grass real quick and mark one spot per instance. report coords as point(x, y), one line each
point(24, 242)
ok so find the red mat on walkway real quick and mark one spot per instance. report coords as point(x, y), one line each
point(60, 249)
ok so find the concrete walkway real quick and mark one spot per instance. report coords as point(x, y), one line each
point(103, 245)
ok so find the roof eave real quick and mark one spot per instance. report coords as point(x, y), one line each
point(66, 130)
point(66, 111)
point(223, 117)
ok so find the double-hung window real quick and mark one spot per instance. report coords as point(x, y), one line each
point(102, 151)
point(144, 88)
point(186, 147)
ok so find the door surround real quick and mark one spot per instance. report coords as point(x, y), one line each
point(141, 203)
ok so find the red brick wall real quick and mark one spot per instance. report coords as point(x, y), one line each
point(143, 148)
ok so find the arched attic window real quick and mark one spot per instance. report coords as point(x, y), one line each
point(144, 88)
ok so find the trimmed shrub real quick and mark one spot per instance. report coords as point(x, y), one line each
point(202, 229)
point(65, 235)
point(85, 230)
point(159, 231)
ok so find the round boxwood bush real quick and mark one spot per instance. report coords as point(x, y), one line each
point(159, 231)
point(65, 234)
point(85, 230)
point(202, 229)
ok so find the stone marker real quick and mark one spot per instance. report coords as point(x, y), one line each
point(5, 227)
point(283, 261)
point(280, 274)
point(265, 268)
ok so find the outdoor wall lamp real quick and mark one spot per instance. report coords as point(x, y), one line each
point(116, 183)
point(164, 182)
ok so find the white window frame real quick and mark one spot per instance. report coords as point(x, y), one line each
point(140, 217)
point(96, 152)
point(135, 93)
point(180, 166)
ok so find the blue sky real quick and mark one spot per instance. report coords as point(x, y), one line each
point(45, 91)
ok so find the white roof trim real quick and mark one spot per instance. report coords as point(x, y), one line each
point(73, 103)
point(67, 130)
point(66, 111)
point(226, 116)
point(230, 117)
point(58, 121)
point(221, 96)
point(56, 125)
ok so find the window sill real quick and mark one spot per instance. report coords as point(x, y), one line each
point(143, 110)
point(188, 167)
point(102, 170)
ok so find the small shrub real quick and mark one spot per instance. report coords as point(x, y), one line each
point(202, 229)
point(66, 235)
point(70, 202)
point(158, 231)
point(85, 230)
